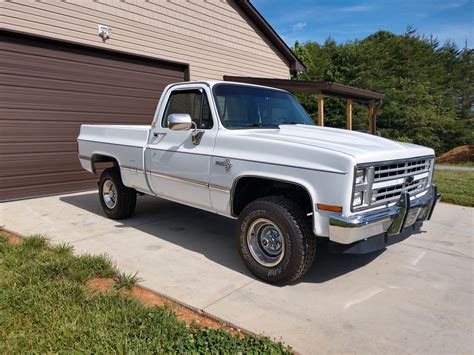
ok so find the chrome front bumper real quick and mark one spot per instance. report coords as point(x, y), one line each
point(391, 220)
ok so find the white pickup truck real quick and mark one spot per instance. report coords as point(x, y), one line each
point(252, 153)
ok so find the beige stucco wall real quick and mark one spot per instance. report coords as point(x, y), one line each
point(213, 36)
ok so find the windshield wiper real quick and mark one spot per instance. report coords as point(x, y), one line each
point(262, 125)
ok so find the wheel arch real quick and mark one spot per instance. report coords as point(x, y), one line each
point(103, 158)
point(276, 182)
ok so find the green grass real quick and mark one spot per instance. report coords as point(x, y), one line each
point(126, 281)
point(46, 307)
point(456, 187)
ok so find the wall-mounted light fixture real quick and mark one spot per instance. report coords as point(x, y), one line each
point(104, 32)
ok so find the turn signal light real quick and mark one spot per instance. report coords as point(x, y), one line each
point(329, 208)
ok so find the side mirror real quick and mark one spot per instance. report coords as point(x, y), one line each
point(179, 121)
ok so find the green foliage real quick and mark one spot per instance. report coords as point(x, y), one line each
point(46, 308)
point(126, 281)
point(429, 89)
point(35, 242)
point(456, 186)
point(62, 249)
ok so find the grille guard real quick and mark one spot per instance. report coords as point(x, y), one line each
point(390, 220)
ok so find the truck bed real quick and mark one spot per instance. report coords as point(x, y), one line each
point(134, 135)
point(124, 143)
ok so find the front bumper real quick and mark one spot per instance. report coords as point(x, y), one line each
point(390, 221)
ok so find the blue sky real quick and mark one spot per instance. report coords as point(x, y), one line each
point(316, 20)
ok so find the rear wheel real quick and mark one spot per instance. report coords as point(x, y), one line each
point(118, 201)
point(275, 239)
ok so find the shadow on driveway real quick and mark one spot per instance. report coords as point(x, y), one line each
point(211, 235)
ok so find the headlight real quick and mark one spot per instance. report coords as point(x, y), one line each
point(358, 199)
point(360, 176)
point(363, 179)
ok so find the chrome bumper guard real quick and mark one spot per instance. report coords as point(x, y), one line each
point(391, 220)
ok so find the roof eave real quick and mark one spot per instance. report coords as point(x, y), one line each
point(295, 65)
point(314, 87)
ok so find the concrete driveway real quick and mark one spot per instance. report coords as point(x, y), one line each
point(416, 296)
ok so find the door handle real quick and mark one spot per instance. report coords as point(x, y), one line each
point(157, 137)
point(196, 136)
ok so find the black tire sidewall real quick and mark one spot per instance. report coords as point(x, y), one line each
point(290, 264)
point(126, 197)
point(108, 211)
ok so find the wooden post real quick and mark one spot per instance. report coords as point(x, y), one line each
point(320, 110)
point(372, 127)
point(349, 114)
point(374, 119)
point(369, 111)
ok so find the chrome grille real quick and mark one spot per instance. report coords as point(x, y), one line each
point(395, 170)
point(392, 178)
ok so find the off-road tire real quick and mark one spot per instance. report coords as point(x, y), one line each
point(300, 242)
point(126, 198)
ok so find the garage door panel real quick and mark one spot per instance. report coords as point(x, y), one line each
point(46, 178)
point(95, 75)
point(66, 116)
point(44, 99)
point(54, 168)
point(47, 83)
point(43, 132)
point(38, 163)
point(74, 54)
point(19, 192)
point(37, 147)
point(37, 131)
point(27, 64)
point(47, 90)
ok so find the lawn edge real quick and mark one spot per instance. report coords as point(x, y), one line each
point(12, 238)
point(227, 325)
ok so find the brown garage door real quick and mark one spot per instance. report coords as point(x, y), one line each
point(47, 90)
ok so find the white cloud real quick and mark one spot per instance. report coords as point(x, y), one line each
point(458, 33)
point(298, 26)
point(357, 8)
point(453, 5)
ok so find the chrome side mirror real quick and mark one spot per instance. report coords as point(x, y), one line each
point(179, 121)
point(183, 122)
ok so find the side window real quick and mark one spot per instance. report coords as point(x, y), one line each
point(193, 102)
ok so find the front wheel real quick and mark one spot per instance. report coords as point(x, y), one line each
point(118, 201)
point(275, 239)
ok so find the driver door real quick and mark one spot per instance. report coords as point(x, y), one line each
point(178, 168)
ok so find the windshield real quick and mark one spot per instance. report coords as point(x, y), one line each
point(242, 106)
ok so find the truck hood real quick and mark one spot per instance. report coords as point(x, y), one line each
point(365, 148)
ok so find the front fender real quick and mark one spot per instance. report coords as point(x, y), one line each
point(323, 187)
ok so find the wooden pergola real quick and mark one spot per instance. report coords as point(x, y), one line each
point(373, 100)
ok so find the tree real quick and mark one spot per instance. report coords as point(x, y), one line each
point(429, 89)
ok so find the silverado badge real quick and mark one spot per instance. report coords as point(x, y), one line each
point(225, 163)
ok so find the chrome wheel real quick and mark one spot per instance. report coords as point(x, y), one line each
point(265, 242)
point(109, 194)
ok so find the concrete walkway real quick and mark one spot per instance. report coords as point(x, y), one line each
point(415, 297)
point(452, 167)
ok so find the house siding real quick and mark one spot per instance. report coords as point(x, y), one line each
point(214, 37)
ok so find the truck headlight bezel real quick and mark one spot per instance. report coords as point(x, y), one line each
point(362, 187)
point(358, 198)
point(360, 176)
